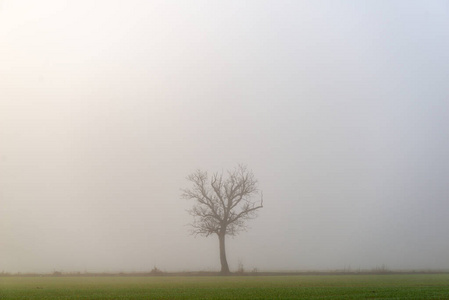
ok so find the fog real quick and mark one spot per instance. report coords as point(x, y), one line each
point(340, 109)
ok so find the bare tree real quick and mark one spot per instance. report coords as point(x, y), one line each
point(222, 205)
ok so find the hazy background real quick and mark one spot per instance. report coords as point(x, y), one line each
point(340, 108)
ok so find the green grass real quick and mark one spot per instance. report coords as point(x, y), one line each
point(419, 286)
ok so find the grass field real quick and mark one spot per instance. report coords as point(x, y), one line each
point(419, 286)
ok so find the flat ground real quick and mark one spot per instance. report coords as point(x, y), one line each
point(413, 286)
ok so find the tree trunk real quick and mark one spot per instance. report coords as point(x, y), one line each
point(224, 262)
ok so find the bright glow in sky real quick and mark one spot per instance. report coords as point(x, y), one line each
point(340, 108)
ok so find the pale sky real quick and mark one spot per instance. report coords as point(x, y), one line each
point(340, 108)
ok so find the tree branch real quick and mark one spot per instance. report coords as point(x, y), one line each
point(222, 205)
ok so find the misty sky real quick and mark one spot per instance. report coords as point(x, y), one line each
point(340, 108)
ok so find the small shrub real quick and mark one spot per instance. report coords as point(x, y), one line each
point(240, 268)
point(156, 271)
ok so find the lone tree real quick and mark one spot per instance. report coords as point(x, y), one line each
point(222, 205)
